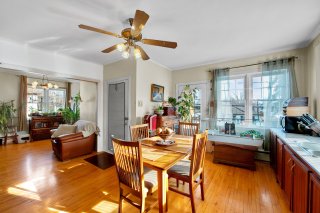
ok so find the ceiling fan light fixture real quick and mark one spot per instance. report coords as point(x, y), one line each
point(120, 47)
point(125, 54)
point(132, 35)
point(137, 53)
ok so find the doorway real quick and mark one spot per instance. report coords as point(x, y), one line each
point(117, 109)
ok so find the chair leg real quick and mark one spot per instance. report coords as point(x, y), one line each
point(120, 203)
point(167, 193)
point(192, 197)
point(177, 181)
point(143, 204)
point(201, 185)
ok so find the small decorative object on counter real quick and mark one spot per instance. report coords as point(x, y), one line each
point(229, 128)
point(252, 134)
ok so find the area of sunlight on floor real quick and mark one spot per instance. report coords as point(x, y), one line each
point(106, 206)
point(23, 193)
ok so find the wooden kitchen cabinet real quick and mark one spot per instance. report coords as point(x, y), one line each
point(300, 187)
point(279, 156)
point(314, 194)
point(288, 166)
point(296, 176)
point(273, 151)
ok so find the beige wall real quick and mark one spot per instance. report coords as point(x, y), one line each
point(75, 88)
point(201, 73)
point(9, 87)
point(313, 53)
point(124, 69)
point(149, 73)
point(88, 105)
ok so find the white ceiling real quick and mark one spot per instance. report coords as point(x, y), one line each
point(206, 31)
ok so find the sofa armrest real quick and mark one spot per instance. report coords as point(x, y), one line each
point(69, 138)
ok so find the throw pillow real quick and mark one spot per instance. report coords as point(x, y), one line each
point(64, 129)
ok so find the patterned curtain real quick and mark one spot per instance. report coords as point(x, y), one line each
point(22, 105)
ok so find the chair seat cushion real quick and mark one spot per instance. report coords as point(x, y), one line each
point(181, 168)
point(150, 179)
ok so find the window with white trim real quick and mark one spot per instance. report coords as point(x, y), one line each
point(45, 100)
point(244, 98)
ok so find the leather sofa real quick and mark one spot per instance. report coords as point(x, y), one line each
point(73, 145)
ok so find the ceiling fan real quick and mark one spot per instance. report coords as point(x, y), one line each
point(132, 36)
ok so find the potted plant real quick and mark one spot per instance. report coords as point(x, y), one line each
point(173, 101)
point(7, 112)
point(159, 110)
point(71, 115)
point(186, 103)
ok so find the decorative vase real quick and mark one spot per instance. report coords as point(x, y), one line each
point(159, 112)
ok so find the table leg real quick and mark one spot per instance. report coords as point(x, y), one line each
point(162, 190)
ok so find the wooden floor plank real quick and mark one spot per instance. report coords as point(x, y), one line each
point(33, 180)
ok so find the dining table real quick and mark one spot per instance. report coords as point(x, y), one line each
point(161, 157)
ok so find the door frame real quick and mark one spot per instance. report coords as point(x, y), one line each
point(207, 86)
point(127, 82)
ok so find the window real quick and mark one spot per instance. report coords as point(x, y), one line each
point(249, 97)
point(45, 101)
point(231, 96)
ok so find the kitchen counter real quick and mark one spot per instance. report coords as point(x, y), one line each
point(292, 141)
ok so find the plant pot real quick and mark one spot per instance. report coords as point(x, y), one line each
point(159, 112)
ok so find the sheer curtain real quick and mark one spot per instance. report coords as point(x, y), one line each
point(220, 80)
point(278, 85)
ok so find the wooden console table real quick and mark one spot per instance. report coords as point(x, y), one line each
point(235, 150)
point(40, 126)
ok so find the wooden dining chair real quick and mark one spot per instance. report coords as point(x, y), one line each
point(139, 132)
point(133, 178)
point(190, 170)
point(188, 129)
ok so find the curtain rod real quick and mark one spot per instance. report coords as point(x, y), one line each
point(248, 65)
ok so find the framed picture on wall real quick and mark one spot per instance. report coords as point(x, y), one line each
point(157, 93)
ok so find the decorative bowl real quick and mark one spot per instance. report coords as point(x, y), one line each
point(165, 136)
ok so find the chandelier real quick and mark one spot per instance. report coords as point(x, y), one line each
point(45, 84)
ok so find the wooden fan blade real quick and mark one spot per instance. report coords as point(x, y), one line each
point(86, 27)
point(144, 55)
point(139, 21)
point(110, 49)
point(168, 44)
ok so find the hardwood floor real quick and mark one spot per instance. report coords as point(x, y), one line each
point(33, 180)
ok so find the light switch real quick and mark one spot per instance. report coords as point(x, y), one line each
point(140, 103)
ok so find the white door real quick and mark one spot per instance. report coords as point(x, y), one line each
point(118, 119)
point(201, 97)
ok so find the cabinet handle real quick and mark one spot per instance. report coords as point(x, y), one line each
point(292, 167)
point(289, 160)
